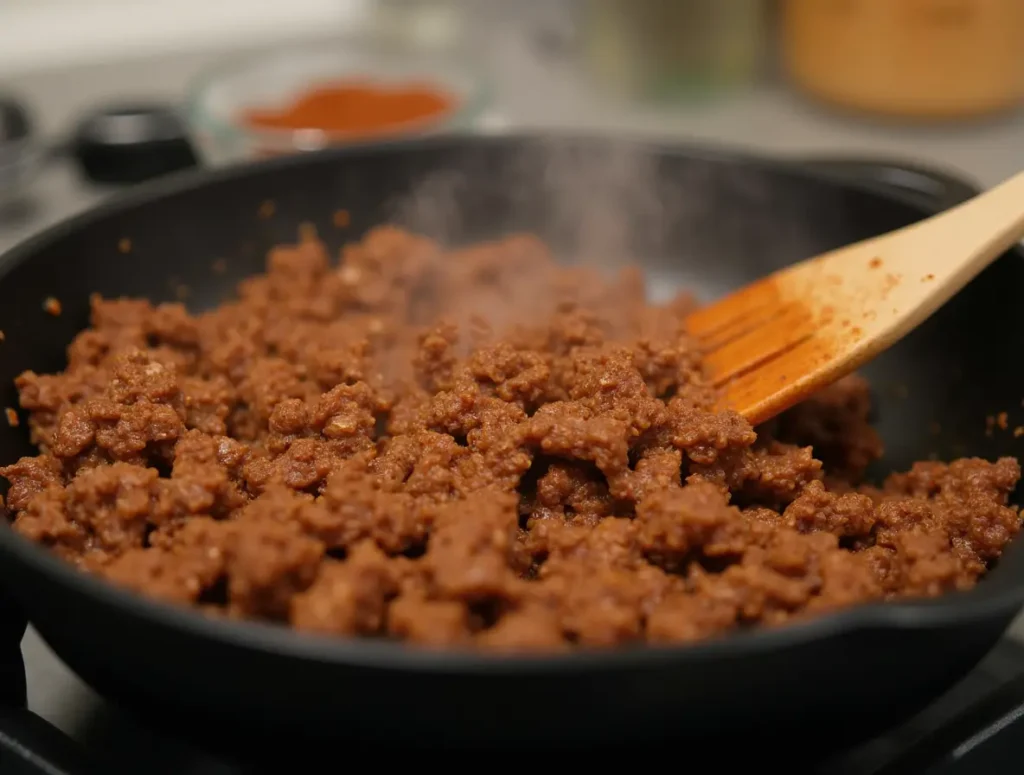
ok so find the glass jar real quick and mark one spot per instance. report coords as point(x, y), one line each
point(426, 24)
point(907, 58)
point(673, 49)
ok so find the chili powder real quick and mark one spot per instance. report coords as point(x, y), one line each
point(356, 108)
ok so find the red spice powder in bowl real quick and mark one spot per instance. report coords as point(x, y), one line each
point(307, 99)
point(358, 109)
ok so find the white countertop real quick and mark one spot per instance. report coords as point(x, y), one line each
point(769, 117)
point(73, 33)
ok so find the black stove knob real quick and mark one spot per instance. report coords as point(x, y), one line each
point(132, 143)
point(15, 124)
point(19, 153)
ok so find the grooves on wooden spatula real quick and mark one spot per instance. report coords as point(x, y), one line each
point(772, 343)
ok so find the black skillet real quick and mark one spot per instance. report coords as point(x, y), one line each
point(724, 220)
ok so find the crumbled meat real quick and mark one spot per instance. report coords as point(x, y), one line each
point(470, 448)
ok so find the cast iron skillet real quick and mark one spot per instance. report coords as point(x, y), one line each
point(725, 220)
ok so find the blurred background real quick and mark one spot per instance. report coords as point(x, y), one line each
point(934, 81)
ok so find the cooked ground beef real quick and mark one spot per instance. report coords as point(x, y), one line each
point(476, 447)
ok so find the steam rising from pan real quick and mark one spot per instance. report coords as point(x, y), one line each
point(611, 204)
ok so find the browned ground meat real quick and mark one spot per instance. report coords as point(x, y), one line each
point(475, 447)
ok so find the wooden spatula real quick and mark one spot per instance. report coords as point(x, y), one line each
point(772, 343)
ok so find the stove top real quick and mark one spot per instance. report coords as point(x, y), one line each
point(977, 727)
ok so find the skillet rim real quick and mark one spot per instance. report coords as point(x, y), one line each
point(952, 609)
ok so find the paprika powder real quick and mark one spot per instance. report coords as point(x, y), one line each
point(357, 109)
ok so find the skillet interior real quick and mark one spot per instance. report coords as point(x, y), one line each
point(700, 221)
point(703, 221)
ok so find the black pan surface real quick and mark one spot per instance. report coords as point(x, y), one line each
point(706, 220)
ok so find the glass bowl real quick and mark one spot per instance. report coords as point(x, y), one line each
point(217, 99)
